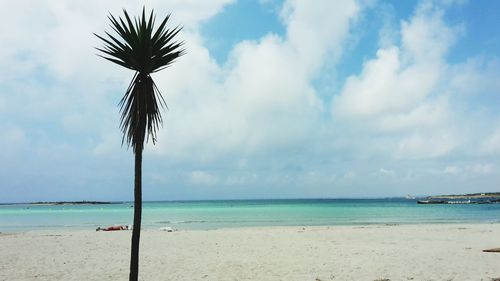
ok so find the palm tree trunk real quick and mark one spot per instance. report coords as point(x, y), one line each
point(136, 231)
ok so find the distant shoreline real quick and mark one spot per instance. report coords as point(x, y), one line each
point(469, 196)
point(43, 203)
point(451, 196)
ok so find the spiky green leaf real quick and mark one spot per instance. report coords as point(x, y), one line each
point(136, 45)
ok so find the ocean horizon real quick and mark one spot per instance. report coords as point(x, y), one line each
point(215, 214)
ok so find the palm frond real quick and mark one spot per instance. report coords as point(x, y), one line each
point(139, 47)
point(140, 119)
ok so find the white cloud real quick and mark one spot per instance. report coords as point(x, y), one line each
point(400, 77)
point(58, 36)
point(469, 171)
point(63, 81)
point(202, 178)
point(235, 179)
point(420, 146)
point(492, 143)
point(311, 42)
point(425, 116)
point(481, 169)
point(314, 178)
point(107, 144)
point(387, 173)
point(404, 93)
point(475, 76)
point(386, 86)
point(258, 119)
point(427, 37)
point(452, 170)
point(13, 139)
point(350, 175)
point(249, 104)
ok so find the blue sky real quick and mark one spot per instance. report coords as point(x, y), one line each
point(274, 99)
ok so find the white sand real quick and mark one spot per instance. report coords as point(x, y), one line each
point(407, 252)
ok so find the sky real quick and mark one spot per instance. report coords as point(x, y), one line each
point(273, 99)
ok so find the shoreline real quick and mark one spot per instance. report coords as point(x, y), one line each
point(262, 227)
point(268, 227)
point(340, 252)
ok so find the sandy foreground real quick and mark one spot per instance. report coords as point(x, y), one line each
point(394, 252)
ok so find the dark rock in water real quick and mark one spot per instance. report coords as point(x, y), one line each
point(494, 250)
point(71, 203)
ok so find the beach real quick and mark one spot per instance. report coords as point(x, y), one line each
point(367, 252)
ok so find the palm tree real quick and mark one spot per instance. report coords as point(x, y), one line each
point(139, 48)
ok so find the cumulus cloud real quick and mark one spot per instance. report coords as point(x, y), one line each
point(400, 77)
point(248, 104)
point(409, 93)
point(258, 119)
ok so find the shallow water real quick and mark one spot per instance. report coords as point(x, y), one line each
point(244, 213)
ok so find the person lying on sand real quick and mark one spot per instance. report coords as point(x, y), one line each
point(112, 228)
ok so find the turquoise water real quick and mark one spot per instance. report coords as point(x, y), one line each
point(244, 213)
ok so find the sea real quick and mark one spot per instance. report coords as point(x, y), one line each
point(215, 214)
